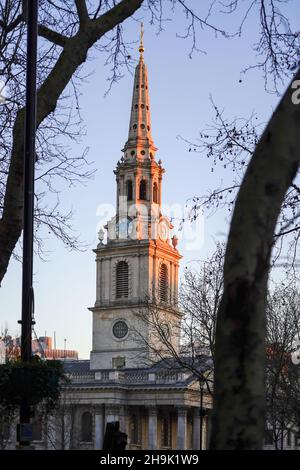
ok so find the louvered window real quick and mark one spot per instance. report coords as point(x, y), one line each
point(163, 283)
point(155, 193)
point(143, 190)
point(87, 427)
point(122, 280)
point(129, 190)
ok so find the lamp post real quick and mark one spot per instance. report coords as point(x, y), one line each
point(31, 13)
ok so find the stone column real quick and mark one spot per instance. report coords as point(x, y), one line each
point(122, 420)
point(159, 190)
point(181, 428)
point(208, 426)
point(111, 413)
point(67, 430)
point(196, 429)
point(175, 284)
point(99, 281)
point(99, 428)
point(152, 428)
point(61, 431)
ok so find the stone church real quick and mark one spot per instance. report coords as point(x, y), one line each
point(125, 380)
point(157, 406)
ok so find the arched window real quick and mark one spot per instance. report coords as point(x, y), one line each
point(134, 430)
point(163, 282)
point(86, 427)
point(37, 433)
point(143, 190)
point(4, 430)
point(155, 193)
point(129, 190)
point(122, 280)
point(166, 431)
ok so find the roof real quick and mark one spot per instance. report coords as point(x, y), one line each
point(76, 366)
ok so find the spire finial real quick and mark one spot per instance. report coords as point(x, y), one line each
point(141, 48)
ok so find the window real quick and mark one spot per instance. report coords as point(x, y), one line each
point(122, 280)
point(4, 430)
point(129, 190)
point(143, 190)
point(86, 427)
point(163, 283)
point(120, 329)
point(155, 193)
point(134, 430)
point(289, 438)
point(118, 362)
point(269, 437)
point(37, 429)
point(166, 432)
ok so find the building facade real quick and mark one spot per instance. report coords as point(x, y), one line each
point(158, 407)
point(126, 379)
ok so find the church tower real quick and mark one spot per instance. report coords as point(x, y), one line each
point(137, 267)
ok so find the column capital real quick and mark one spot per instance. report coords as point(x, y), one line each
point(197, 412)
point(112, 408)
point(98, 409)
point(152, 410)
point(182, 410)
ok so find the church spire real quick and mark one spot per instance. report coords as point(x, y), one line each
point(140, 143)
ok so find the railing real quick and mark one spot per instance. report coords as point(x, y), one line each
point(136, 377)
point(82, 378)
point(125, 377)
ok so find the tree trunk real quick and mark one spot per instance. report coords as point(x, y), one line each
point(239, 394)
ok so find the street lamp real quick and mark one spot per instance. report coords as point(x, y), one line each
point(31, 12)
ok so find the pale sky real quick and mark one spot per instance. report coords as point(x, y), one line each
point(179, 89)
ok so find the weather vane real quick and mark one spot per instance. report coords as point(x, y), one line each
point(141, 48)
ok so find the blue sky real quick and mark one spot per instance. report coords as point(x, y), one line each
point(179, 88)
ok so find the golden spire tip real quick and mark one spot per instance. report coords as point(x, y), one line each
point(141, 48)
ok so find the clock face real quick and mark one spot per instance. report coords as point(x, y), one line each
point(163, 230)
point(125, 228)
point(120, 329)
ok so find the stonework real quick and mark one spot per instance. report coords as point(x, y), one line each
point(139, 237)
point(137, 275)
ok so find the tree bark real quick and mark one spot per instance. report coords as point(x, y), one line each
point(239, 394)
point(73, 55)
